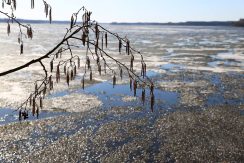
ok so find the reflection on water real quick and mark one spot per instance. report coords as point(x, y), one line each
point(8, 115)
point(112, 97)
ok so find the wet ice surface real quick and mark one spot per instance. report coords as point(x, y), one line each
point(194, 68)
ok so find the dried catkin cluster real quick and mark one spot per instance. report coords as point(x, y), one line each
point(94, 38)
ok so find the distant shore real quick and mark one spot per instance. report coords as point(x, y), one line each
point(188, 23)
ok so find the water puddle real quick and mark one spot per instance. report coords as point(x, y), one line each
point(113, 97)
point(217, 98)
point(8, 115)
point(110, 97)
point(172, 67)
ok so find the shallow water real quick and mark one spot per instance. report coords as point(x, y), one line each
point(172, 49)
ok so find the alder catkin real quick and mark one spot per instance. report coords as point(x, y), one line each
point(21, 48)
point(51, 66)
point(71, 22)
point(143, 96)
point(114, 81)
point(8, 29)
point(106, 39)
point(120, 45)
point(83, 83)
point(14, 4)
point(41, 103)
point(91, 75)
point(20, 115)
point(34, 106)
point(121, 73)
point(152, 102)
point(134, 87)
point(67, 78)
point(50, 15)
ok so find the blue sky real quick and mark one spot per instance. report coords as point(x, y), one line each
point(139, 10)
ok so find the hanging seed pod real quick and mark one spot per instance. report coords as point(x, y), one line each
point(60, 52)
point(50, 15)
point(3, 4)
point(46, 9)
point(72, 22)
point(89, 15)
point(90, 75)
point(83, 83)
point(128, 47)
point(130, 84)
point(36, 88)
point(134, 87)
point(32, 4)
point(152, 89)
point(83, 38)
point(8, 29)
point(30, 33)
point(106, 39)
point(99, 69)
point(96, 47)
point(142, 70)
point(121, 73)
point(65, 69)
point(52, 85)
point(120, 45)
point(143, 96)
point(67, 78)
point(20, 115)
point(114, 81)
point(37, 112)
point(30, 100)
point(57, 74)
point(131, 62)
point(41, 103)
point(75, 71)
point(71, 75)
point(105, 67)
point(18, 40)
point(145, 69)
point(152, 102)
point(50, 82)
point(44, 90)
point(88, 63)
point(9, 2)
point(14, 4)
point(51, 66)
point(78, 62)
point(56, 55)
point(21, 48)
point(97, 31)
point(34, 107)
point(102, 41)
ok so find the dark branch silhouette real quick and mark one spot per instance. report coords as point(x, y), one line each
point(95, 38)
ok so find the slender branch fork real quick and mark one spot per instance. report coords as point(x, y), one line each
point(95, 38)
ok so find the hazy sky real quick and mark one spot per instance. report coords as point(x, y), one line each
point(139, 10)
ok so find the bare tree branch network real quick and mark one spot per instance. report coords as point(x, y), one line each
point(82, 33)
